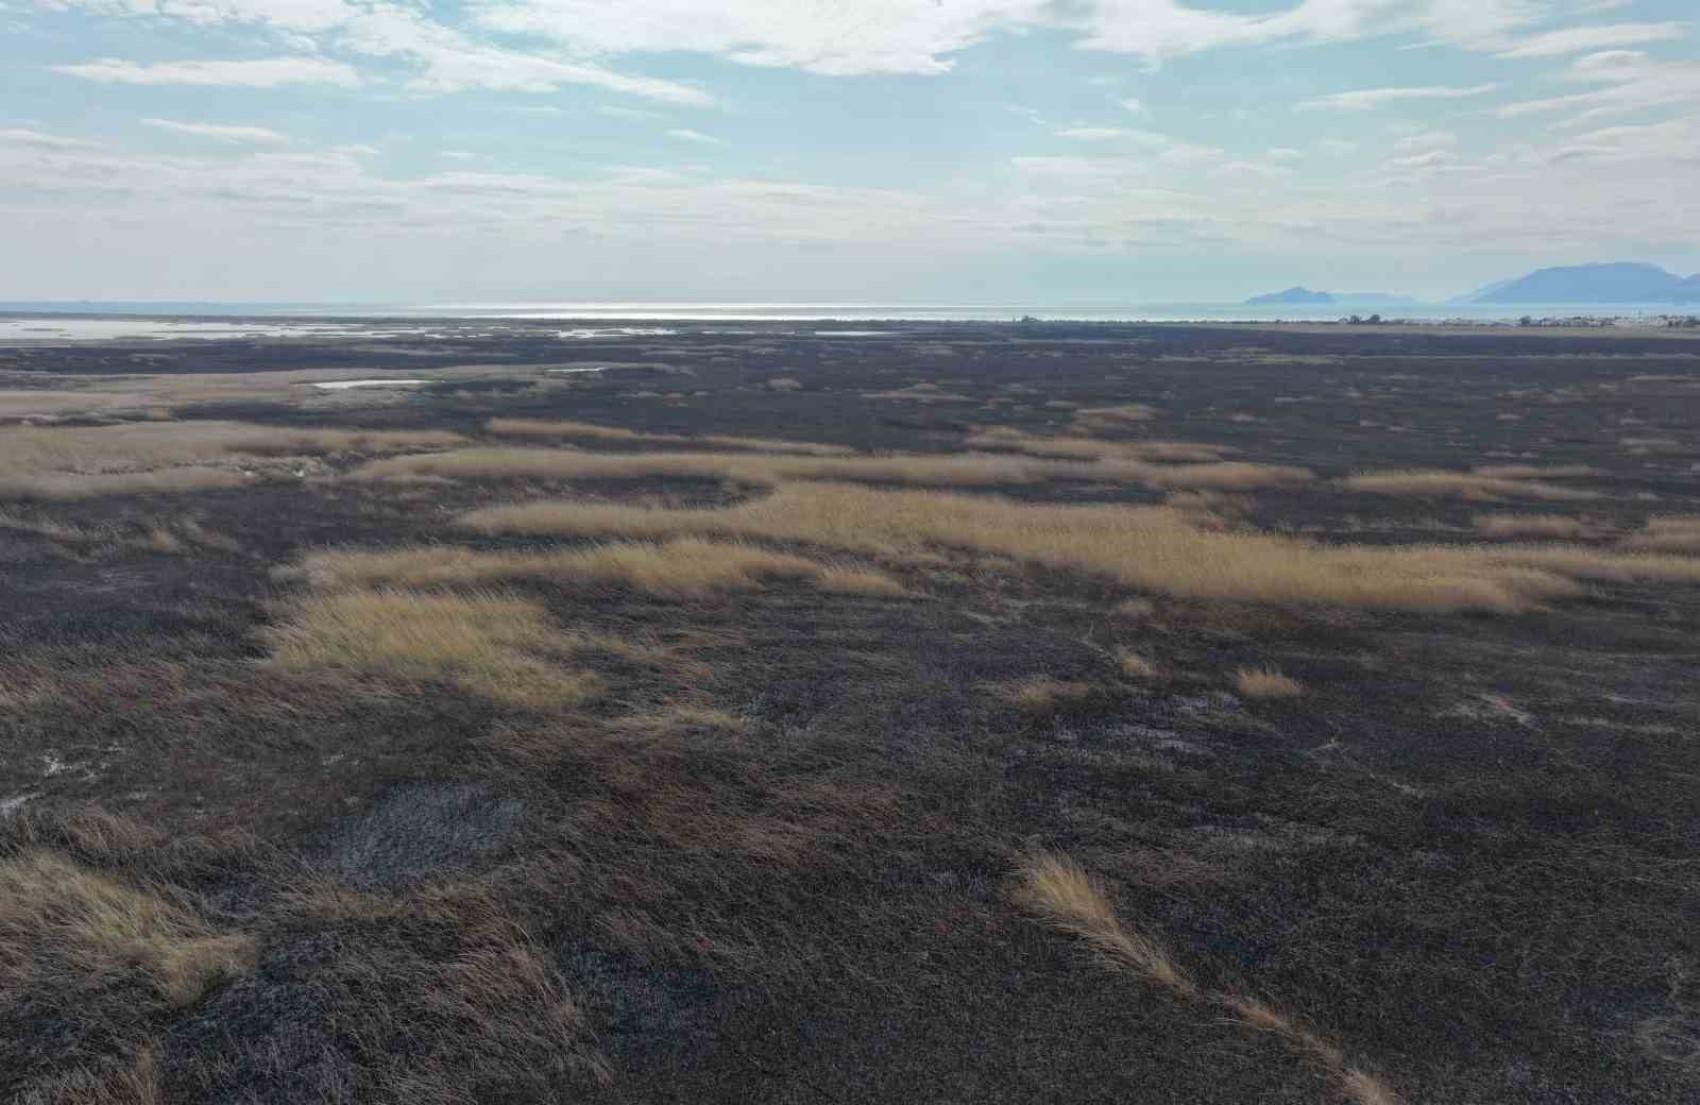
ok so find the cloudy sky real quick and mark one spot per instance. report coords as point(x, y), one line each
point(851, 151)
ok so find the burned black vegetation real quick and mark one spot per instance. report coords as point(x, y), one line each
point(678, 716)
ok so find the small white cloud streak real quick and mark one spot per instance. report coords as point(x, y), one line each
point(218, 132)
point(1367, 99)
point(686, 134)
point(1576, 40)
point(262, 73)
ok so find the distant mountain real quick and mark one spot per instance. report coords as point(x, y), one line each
point(1306, 297)
point(1294, 295)
point(1620, 282)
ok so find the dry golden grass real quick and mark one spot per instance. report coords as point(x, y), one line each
point(74, 462)
point(1464, 485)
point(1150, 548)
point(1135, 666)
point(310, 441)
point(921, 470)
point(586, 431)
point(1534, 471)
point(1058, 890)
point(1266, 683)
point(1548, 526)
point(1671, 534)
point(920, 393)
point(845, 579)
point(1042, 696)
point(501, 647)
point(1128, 414)
point(686, 567)
point(56, 915)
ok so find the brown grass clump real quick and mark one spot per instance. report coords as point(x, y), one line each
point(844, 579)
point(498, 646)
point(1266, 683)
point(1058, 890)
point(1042, 696)
point(586, 431)
point(1464, 485)
point(1671, 534)
point(57, 916)
point(74, 485)
point(1135, 666)
point(1149, 548)
point(1128, 414)
point(1550, 526)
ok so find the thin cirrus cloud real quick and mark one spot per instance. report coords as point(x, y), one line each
point(686, 134)
point(259, 73)
point(1578, 40)
point(259, 136)
point(1367, 99)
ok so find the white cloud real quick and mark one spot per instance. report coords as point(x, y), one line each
point(262, 73)
point(1132, 105)
point(685, 134)
point(218, 132)
point(1365, 99)
point(19, 136)
point(1576, 40)
point(1631, 82)
point(1099, 134)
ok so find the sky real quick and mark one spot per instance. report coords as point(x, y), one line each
point(837, 151)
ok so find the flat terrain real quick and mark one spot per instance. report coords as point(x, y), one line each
point(973, 713)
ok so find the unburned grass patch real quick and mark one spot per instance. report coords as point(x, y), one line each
point(495, 645)
point(914, 469)
point(1672, 534)
point(1151, 548)
point(1544, 526)
point(1266, 683)
point(1436, 483)
point(58, 918)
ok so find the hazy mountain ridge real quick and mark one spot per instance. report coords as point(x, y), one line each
point(1600, 283)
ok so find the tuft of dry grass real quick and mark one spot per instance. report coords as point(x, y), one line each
point(496, 645)
point(1549, 526)
point(846, 579)
point(1150, 548)
point(1674, 534)
point(1058, 890)
point(587, 431)
point(57, 916)
point(1041, 696)
point(317, 441)
point(1266, 683)
point(1135, 666)
point(1465, 485)
point(1128, 414)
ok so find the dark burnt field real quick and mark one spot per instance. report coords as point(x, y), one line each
point(691, 763)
